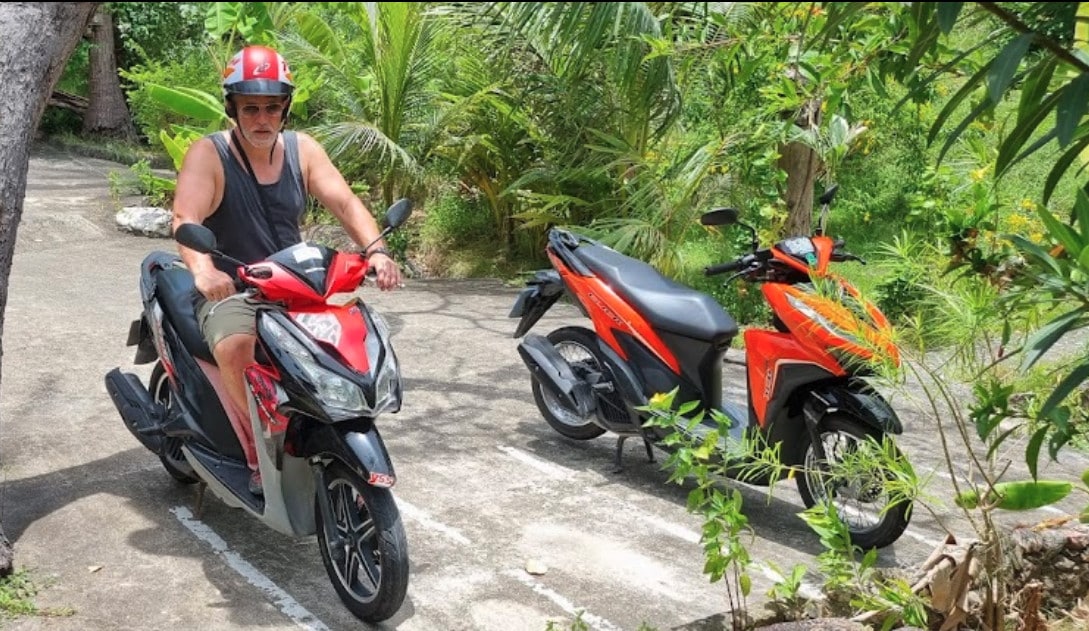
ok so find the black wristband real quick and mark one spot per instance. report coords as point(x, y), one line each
point(378, 251)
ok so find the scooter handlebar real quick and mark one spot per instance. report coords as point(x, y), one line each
point(723, 268)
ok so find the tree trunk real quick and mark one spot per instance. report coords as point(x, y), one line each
point(801, 164)
point(38, 38)
point(107, 113)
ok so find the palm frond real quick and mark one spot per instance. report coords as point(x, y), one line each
point(347, 140)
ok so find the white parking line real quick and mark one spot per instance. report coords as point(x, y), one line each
point(807, 589)
point(594, 622)
point(288, 605)
point(550, 469)
point(427, 521)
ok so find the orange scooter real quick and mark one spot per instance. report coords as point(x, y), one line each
point(806, 376)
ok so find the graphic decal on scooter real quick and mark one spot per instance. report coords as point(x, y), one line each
point(262, 383)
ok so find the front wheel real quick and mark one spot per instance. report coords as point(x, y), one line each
point(850, 478)
point(576, 345)
point(368, 561)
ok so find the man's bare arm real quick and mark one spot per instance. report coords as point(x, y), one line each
point(197, 194)
point(328, 186)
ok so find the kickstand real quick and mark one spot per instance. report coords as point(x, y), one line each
point(650, 450)
point(198, 510)
point(617, 461)
point(618, 466)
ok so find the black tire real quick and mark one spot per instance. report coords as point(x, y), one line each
point(373, 540)
point(171, 457)
point(862, 503)
point(576, 345)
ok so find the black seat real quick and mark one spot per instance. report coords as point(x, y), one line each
point(175, 289)
point(665, 303)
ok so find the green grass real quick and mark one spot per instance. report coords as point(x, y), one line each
point(17, 594)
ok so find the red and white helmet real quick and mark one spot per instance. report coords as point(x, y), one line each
point(257, 70)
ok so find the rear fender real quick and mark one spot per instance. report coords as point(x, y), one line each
point(140, 336)
point(540, 293)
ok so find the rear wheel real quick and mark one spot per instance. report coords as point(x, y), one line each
point(576, 345)
point(875, 516)
point(172, 458)
point(368, 562)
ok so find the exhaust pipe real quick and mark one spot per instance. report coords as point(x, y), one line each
point(554, 374)
point(143, 416)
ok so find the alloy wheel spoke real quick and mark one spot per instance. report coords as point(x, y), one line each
point(367, 562)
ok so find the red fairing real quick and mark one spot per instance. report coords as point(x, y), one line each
point(345, 273)
point(279, 285)
point(337, 327)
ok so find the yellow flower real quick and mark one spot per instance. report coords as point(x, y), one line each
point(1028, 204)
point(657, 399)
point(979, 174)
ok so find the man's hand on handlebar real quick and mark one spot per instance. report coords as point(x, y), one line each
point(214, 285)
point(387, 273)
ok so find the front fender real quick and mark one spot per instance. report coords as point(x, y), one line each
point(359, 448)
point(860, 401)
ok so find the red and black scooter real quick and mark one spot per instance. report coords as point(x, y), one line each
point(650, 335)
point(323, 375)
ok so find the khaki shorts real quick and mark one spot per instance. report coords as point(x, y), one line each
point(236, 315)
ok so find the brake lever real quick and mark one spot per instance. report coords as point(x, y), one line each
point(752, 267)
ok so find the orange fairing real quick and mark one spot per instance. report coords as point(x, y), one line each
point(610, 312)
point(824, 321)
point(766, 353)
point(822, 256)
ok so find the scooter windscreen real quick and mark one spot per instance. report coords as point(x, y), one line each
point(308, 261)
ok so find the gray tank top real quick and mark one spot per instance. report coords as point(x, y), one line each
point(245, 229)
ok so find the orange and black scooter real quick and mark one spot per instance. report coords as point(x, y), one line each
point(806, 385)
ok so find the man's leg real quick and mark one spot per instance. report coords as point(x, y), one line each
point(229, 327)
point(233, 355)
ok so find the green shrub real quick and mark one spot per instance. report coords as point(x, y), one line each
point(456, 220)
point(190, 67)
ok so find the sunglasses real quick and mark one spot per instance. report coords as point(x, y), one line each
point(272, 109)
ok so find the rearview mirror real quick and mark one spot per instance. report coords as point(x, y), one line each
point(398, 213)
point(196, 237)
point(720, 217)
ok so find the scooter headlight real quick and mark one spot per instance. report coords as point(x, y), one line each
point(340, 397)
point(387, 380)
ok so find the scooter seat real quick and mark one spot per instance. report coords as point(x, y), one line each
point(665, 303)
point(175, 289)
